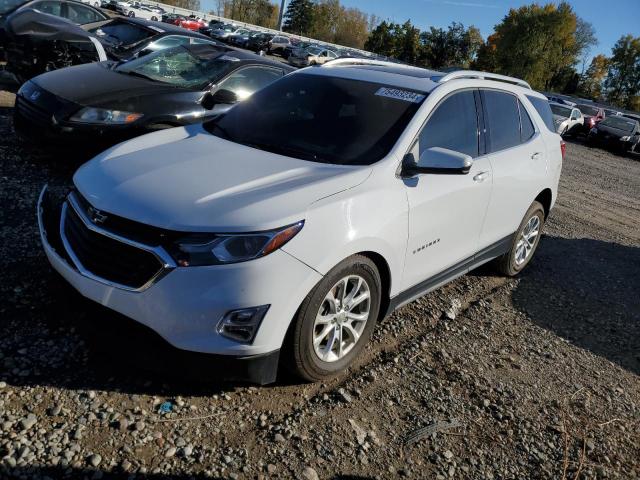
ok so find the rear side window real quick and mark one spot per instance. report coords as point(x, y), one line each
point(544, 110)
point(454, 125)
point(503, 120)
point(526, 125)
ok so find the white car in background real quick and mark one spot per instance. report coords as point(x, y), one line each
point(142, 11)
point(567, 120)
point(281, 232)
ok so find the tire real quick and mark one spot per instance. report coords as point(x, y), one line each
point(512, 262)
point(132, 14)
point(302, 358)
point(154, 19)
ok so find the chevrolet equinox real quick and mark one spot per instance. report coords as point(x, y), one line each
point(280, 232)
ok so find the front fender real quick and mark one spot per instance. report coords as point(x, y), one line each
point(367, 218)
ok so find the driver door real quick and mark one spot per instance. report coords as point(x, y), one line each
point(447, 210)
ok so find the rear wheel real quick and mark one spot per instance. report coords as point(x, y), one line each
point(335, 321)
point(132, 14)
point(524, 244)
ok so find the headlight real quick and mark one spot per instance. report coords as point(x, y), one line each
point(626, 138)
point(203, 249)
point(100, 115)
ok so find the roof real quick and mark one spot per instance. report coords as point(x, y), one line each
point(409, 77)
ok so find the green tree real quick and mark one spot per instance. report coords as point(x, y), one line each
point(623, 76)
point(382, 39)
point(454, 47)
point(298, 17)
point(256, 12)
point(591, 81)
point(407, 43)
point(538, 43)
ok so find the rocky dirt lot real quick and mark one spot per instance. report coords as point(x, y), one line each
point(535, 377)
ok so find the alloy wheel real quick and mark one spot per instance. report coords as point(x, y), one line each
point(341, 319)
point(527, 240)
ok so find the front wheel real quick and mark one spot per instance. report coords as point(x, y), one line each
point(335, 321)
point(132, 14)
point(525, 242)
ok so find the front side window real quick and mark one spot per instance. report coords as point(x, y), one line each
point(503, 120)
point(321, 119)
point(453, 125)
point(248, 80)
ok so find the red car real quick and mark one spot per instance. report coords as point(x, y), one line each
point(192, 23)
point(592, 115)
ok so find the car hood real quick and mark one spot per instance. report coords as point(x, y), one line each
point(186, 179)
point(94, 84)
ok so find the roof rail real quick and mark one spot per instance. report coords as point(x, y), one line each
point(363, 61)
point(484, 76)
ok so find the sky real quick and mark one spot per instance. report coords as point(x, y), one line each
point(610, 18)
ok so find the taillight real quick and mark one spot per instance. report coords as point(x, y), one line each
point(563, 148)
point(592, 121)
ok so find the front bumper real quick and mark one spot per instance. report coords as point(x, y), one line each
point(184, 305)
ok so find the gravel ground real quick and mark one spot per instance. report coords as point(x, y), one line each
point(535, 377)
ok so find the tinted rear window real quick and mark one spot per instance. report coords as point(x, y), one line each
point(503, 120)
point(322, 119)
point(542, 107)
point(526, 125)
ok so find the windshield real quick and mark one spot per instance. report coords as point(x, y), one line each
point(588, 110)
point(619, 123)
point(180, 67)
point(8, 5)
point(314, 50)
point(561, 111)
point(322, 119)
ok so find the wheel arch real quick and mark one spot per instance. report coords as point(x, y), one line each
point(545, 197)
point(385, 279)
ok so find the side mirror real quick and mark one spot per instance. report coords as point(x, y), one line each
point(221, 96)
point(439, 160)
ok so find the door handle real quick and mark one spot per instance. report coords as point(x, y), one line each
point(481, 176)
point(536, 156)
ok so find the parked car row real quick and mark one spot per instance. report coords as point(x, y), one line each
point(606, 127)
point(97, 105)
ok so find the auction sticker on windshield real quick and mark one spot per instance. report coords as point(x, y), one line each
point(399, 94)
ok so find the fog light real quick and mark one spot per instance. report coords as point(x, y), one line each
point(242, 325)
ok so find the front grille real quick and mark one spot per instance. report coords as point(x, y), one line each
point(108, 258)
point(32, 113)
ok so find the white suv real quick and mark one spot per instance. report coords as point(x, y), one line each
point(281, 232)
